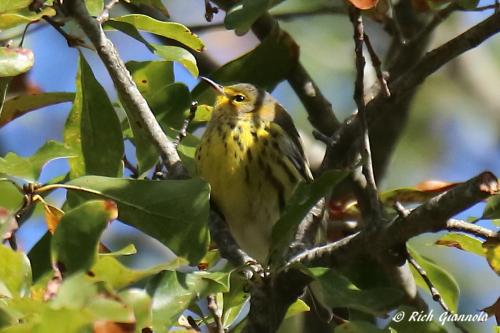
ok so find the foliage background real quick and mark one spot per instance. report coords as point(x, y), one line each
point(453, 133)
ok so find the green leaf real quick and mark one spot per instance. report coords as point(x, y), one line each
point(74, 243)
point(20, 105)
point(153, 4)
point(265, 66)
point(15, 273)
point(29, 168)
point(140, 301)
point(242, 15)
point(170, 30)
point(468, 4)
point(15, 61)
point(23, 16)
point(174, 291)
point(235, 300)
point(169, 53)
point(175, 53)
point(462, 242)
point(442, 280)
point(118, 276)
point(149, 77)
point(126, 251)
point(492, 247)
point(93, 128)
point(338, 291)
point(9, 5)
point(39, 256)
point(359, 327)
point(299, 306)
point(304, 198)
point(492, 208)
point(11, 198)
point(75, 292)
point(95, 7)
point(175, 212)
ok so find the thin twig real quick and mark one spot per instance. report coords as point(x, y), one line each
point(320, 252)
point(104, 16)
point(377, 65)
point(436, 296)
point(132, 168)
point(183, 131)
point(371, 187)
point(194, 325)
point(130, 96)
point(470, 228)
point(216, 313)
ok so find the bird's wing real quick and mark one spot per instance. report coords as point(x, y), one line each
point(292, 146)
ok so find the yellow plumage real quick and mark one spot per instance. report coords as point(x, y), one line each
point(252, 157)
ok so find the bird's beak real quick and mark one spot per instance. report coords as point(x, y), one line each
point(217, 87)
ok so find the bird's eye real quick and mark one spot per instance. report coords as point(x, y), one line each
point(239, 98)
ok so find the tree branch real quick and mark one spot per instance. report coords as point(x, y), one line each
point(127, 90)
point(470, 228)
point(346, 137)
point(432, 216)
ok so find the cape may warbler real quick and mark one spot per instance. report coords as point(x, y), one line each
point(252, 156)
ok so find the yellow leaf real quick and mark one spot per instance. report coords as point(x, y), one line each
point(52, 216)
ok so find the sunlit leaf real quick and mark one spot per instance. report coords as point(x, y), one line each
point(338, 291)
point(23, 16)
point(235, 300)
point(140, 301)
point(304, 198)
point(492, 248)
point(126, 251)
point(74, 243)
point(421, 192)
point(299, 306)
point(20, 105)
point(95, 7)
point(462, 242)
point(9, 5)
point(175, 53)
point(15, 61)
point(160, 209)
point(442, 280)
point(118, 276)
point(15, 272)
point(171, 30)
point(93, 128)
point(29, 168)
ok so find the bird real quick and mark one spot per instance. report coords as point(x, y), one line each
point(252, 156)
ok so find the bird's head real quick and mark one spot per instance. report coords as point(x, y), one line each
point(239, 99)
